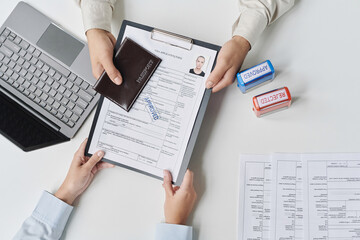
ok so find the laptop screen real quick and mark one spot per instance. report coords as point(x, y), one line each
point(23, 129)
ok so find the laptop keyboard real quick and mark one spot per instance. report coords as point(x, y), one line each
point(42, 80)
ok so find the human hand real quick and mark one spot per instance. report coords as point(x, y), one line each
point(179, 201)
point(81, 173)
point(229, 61)
point(101, 47)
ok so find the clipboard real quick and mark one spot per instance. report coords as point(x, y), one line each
point(174, 40)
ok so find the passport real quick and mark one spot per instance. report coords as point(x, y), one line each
point(136, 66)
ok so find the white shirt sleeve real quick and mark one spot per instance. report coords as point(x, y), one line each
point(166, 231)
point(97, 13)
point(256, 15)
point(47, 221)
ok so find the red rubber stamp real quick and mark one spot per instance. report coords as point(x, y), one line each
point(271, 101)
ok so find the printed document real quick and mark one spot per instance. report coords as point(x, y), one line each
point(299, 196)
point(154, 134)
point(287, 199)
point(332, 193)
point(254, 197)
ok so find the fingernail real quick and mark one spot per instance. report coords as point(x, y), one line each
point(100, 154)
point(209, 84)
point(117, 80)
point(166, 174)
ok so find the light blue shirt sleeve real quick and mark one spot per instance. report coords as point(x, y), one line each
point(166, 231)
point(50, 216)
point(47, 221)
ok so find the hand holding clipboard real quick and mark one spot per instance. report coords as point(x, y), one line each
point(161, 129)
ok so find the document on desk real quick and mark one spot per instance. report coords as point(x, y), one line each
point(332, 196)
point(154, 135)
point(254, 197)
point(287, 197)
point(299, 196)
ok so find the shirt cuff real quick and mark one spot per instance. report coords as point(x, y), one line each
point(250, 25)
point(166, 231)
point(52, 211)
point(96, 14)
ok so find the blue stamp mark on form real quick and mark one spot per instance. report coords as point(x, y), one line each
point(154, 114)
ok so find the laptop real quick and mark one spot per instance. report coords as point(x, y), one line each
point(46, 80)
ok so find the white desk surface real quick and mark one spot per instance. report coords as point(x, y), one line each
point(315, 49)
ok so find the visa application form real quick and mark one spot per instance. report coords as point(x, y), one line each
point(154, 134)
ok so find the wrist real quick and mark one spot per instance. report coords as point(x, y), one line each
point(242, 42)
point(65, 195)
point(175, 220)
point(95, 31)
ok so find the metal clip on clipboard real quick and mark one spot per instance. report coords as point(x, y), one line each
point(172, 39)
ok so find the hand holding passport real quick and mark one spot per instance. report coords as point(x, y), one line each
point(136, 65)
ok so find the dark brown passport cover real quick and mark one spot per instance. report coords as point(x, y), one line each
point(136, 66)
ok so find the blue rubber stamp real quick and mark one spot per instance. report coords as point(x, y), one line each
point(255, 76)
